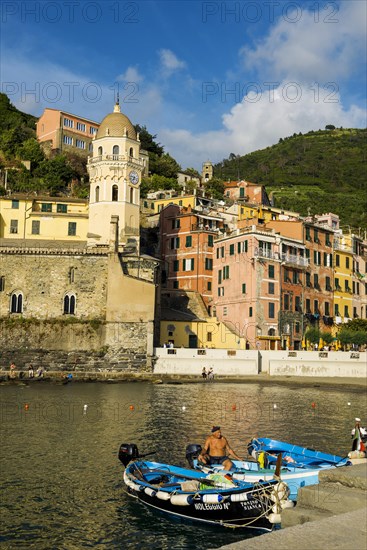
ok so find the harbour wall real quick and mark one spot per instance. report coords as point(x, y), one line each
point(183, 361)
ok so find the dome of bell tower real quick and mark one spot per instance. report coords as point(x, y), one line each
point(116, 124)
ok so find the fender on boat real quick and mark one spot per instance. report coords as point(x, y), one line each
point(239, 497)
point(150, 492)
point(181, 500)
point(274, 518)
point(212, 499)
point(163, 495)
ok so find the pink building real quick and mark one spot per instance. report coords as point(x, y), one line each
point(246, 286)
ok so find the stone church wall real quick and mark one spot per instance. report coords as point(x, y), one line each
point(44, 279)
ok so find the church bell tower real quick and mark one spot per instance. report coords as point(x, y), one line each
point(115, 170)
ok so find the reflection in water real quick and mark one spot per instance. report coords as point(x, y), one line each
point(61, 481)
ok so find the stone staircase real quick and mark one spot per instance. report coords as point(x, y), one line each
point(339, 490)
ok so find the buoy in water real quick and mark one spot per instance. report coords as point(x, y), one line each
point(131, 407)
point(85, 409)
point(184, 408)
point(26, 406)
point(313, 405)
point(234, 407)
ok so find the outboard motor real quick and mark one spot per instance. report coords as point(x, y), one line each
point(192, 451)
point(128, 452)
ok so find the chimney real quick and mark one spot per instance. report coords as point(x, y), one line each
point(114, 227)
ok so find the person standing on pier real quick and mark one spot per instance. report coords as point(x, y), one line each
point(359, 436)
point(12, 368)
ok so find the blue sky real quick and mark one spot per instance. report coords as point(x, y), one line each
point(209, 78)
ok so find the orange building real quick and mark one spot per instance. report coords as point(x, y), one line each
point(187, 241)
point(60, 131)
point(253, 193)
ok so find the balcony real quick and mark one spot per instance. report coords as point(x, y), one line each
point(204, 227)
point(265, 253)
point(293, 259)
point(342, 246)
point(116, 158)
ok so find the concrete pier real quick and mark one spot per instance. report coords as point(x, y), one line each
point(330, 515)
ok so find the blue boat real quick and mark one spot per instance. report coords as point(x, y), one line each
point(303, 457)
point(263, 467)
point(211, 499)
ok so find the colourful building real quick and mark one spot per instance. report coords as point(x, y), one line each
point(246, 286)
point(187, 241)
point(61, 131)
point(43, 218)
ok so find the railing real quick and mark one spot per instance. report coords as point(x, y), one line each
point(265, 253)
point(294, 259)
point(203, 227)
point(341, 246)
point(126, 158)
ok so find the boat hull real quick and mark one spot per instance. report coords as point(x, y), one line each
point(250, 514)
point(230, 504)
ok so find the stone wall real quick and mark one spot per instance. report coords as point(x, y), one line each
point(80, 347)
point(45, 279)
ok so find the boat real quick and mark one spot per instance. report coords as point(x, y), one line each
point(264, 467)
point(303, 457)
point(211, 499)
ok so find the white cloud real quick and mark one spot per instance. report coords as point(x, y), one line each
point(320, 45)
point(252, 125)
point(130, 75)
point(170, 62)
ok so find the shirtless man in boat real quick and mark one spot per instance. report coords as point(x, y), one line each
point(216, 450)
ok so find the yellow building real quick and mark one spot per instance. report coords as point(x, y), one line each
point(343, 275)
point(265, 213)
point(154, 206)
point(200, 334)
point(43, 218)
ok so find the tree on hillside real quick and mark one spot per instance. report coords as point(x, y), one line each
point(164, 165)
point(30, 150)
point(215, 188)
point(148, 141)
point(12, 139)
point(11, 117)
point(329, 127)
point(54, 174)
point(79, 165)
point(192, 172)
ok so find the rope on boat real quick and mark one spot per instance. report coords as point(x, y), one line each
point(265, 494)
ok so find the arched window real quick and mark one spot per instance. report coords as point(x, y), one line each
point(97, 193)
point(116, 150)
point(115, 193)
point(271, 332)
point(16, 302)
point(131, 152)
point(69, 304)
point(131, 195)
point(100, 150)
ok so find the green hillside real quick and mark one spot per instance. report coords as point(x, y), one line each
point(317, 172)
